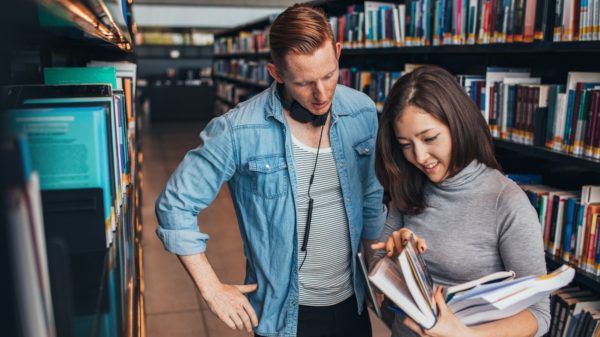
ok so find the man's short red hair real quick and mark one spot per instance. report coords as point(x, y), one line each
point(300, 29)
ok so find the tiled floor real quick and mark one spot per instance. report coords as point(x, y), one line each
point(173, 306)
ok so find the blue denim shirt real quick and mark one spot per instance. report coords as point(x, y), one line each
point(250, 148)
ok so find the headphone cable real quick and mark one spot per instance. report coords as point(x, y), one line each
point(311, 200)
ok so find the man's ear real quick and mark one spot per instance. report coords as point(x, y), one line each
point(274, 72)
point(338, 50)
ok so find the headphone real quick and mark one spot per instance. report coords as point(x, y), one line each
point(298, 112)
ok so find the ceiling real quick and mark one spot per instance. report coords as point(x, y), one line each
point(225, 3)
point(204, 14)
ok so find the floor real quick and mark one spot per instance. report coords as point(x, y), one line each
point(173, 306)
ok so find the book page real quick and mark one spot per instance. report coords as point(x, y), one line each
point(388, 278)
point(421, 273)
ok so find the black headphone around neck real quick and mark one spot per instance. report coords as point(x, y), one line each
point(298, 112)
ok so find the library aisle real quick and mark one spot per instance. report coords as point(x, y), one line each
point(173, 306)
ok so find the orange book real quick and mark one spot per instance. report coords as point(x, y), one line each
point(589, 234)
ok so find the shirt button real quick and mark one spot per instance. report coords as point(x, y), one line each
point(366, 150)
point(268, 167)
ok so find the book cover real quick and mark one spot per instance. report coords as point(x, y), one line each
point(68, 147)
point(74, 75)
point(370, 291)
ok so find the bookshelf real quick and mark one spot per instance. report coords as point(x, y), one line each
point(239, 67)
point(94, 266)
point(546, 57)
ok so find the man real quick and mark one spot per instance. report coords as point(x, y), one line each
point(299, 162)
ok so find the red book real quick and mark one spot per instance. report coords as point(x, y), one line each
point(590, 132)
point(596, 131)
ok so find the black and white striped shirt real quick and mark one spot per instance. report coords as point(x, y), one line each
point(325, 277)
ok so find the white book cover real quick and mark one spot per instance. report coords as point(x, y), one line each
point(29, 262)
point(402, 17)
point(559, 120)
point(575, 77)
point(511, 297)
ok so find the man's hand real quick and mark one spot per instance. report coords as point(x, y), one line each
point(226, 301)
point(231, 306)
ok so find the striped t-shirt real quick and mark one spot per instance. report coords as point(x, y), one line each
point(325, 277)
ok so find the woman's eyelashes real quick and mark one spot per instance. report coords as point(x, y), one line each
point(425, 140)
point(431, 139)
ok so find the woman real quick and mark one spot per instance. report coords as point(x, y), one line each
point(435, 157)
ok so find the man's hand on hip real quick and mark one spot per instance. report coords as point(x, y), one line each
point(231, 306)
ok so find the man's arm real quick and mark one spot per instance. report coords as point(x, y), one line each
point(191, 188)
point(226, 301)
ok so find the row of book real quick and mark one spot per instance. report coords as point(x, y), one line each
point(520, 109)
point(244, 42)
point(169, 38)
point(576, 20)
point(81, 127)
point(233, 94)
point(575, 313)
point(570, 221)
point(376, 84)
point(375, 24)
point(460, 22)
point(439, 22)
point(243, 70)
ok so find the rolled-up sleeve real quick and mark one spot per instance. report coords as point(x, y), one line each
point(192, 187)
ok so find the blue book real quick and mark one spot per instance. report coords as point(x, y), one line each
point(568, 123)
point(85, 95)
point(568, 229)
point(68, 146)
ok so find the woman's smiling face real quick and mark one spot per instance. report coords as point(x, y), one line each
point(425, 142)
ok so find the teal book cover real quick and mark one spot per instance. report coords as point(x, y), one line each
point(74, 75)
point(107, 103)
point(68, 146)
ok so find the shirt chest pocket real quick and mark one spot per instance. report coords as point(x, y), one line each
point(269, 176)
point(365, 147)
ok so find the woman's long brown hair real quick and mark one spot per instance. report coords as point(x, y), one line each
point(437, 92)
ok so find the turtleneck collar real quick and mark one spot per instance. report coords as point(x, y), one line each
point(465, 176)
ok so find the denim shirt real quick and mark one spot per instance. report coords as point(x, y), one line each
point(250, 148)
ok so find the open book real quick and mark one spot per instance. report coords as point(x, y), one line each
point(408, 284)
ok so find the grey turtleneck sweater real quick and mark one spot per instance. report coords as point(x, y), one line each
point(476, 223)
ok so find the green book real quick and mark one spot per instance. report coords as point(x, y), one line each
point(93, 75)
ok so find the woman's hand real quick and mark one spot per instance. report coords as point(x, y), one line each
point(447, 325)
point(398, 240)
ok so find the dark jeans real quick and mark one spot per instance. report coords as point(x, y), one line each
point(339, 320)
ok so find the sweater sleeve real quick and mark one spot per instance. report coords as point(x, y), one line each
point(521, 245)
